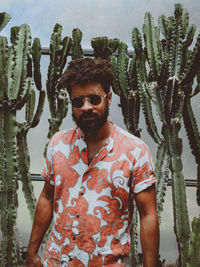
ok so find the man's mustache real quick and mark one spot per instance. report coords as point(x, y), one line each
point(88, 115)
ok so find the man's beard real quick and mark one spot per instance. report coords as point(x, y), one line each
point(91, 126)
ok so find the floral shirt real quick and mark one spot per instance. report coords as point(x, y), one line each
point(93, 203)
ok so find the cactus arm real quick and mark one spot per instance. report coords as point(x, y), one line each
point(185, 21)
point(24, 166)
point(133, 112)
point(197, 88)
point(116, 84)
point(191, 129)
point(59, 51)
point(36, 55)
point(193, 137)
point(8, 240)
point(198, 185)
point(151, 41)
point(23, 98)
point(194, 248)
point(135, 261)
point(3, 64)
point(4, 19)
point(30, 105)
point(181, 220)
point(21, 48)
point(156, 93)
point(77, 51)
point(140, 57)
point(178, 36)
point(148, 114)
point(66, 46)
point(122, 66)
point(162, 174)
point(39, 110)
point(2, 170)
point(193, 65)
point(173, 100)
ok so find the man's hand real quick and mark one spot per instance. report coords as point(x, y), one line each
point(33, 261)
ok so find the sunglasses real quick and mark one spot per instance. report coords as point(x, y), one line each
point(95, 100)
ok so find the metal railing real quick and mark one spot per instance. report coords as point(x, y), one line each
point(188, 182)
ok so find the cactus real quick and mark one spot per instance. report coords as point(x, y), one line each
point(126, 86)
point(4, 19)
point(104, 47)
point(77, 51)
point(172, 69)
point(15, 90)
point(58, 103)
point(32, 120)
point(194, 249)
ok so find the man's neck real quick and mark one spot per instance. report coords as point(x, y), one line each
point(103, 134)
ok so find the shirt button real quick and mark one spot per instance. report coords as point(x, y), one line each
point(77, 216)
point(81, 193)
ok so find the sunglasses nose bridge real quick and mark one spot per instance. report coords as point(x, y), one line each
point(86, 103)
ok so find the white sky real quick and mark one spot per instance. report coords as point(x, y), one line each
point(113, 18)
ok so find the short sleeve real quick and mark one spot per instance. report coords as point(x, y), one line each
point(47, 172)
point(143, 170)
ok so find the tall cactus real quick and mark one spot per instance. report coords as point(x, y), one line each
point(32, 120)
point(172, 69)
point(15, 90)
point(58, 103)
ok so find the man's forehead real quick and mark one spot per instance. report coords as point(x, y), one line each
point(87, 89)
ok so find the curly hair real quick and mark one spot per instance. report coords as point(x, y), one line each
point(86, 70)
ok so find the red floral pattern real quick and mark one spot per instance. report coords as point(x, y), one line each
point(94, 203)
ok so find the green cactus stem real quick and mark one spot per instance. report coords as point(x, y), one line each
point(162, 174)
point(193, 137)
point(194, 249)
point(181, 220)
point(135, 261)
point(58, 102)
point(4, 19)
point(125, 85)
point(16, 88)
point(76, 50)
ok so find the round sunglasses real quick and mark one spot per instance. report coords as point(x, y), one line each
point(95, 100)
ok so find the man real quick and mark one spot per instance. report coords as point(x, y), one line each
point(93, 174)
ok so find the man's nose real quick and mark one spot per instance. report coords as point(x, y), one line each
point(87, 105)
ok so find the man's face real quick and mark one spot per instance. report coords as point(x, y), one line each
point(89, 117)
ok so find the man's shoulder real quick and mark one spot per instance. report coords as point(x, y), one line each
point(67, 136)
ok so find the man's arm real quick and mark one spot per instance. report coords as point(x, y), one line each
point(42, 220)
point(149, 228)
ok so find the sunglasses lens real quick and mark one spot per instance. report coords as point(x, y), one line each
point(95, 99)
point(77, 102)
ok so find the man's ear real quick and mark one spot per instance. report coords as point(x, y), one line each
point(109, 98)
